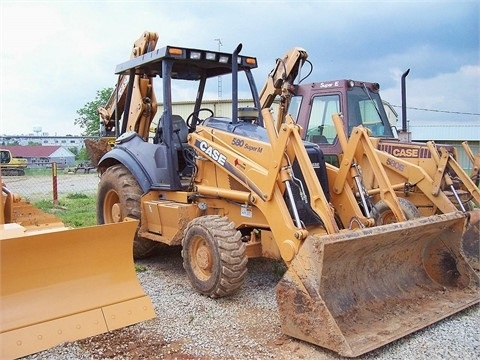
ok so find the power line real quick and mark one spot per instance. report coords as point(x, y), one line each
point(436, 110)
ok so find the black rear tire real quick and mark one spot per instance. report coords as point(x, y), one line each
point(383, 215)
point(119, 197)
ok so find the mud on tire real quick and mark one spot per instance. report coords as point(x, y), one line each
point(118, 197)
point(214, 256)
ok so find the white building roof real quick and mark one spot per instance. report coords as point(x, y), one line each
point(442, 131)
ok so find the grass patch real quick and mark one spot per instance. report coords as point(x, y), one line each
point(38, 172)
point(75, 210)
point(140, 268)
point(279, 269)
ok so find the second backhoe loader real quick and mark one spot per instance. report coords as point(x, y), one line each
point(380, 178)
point(426, 176)
point(231, 188)
point(393, 180)
point(60, 284)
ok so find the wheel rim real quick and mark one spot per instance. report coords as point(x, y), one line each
point(201, 258)
point(388, 217)
point(111, 207)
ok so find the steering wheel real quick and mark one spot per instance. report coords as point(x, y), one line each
point(193, 120)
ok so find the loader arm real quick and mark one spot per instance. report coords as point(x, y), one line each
point(414, 175)
point(295, 147)
point(475, 160)
point(267, 175)
point(345, 290)
point(352, 291)
point(446, 161)
point(430, 187)
point(354, 148)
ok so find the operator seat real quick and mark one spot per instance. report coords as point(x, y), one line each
point(178, 141)
point(180, 132)
point(318, 139)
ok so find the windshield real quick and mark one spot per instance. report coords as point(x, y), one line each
point(365, 108)
point(294, 106)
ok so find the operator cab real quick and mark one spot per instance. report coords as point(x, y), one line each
point(4, 156)
point(359, 102)
point(166, 158)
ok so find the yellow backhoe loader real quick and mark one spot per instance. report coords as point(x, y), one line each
point(368, 167)
point(60, 284)
point(393, 180)
point(232, 188)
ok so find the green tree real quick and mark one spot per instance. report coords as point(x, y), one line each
point(89, 118)
point(74, 151)
point(83, 155)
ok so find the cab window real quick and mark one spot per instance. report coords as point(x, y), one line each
point(320, 125)
point(365, 108)
point(294, 106)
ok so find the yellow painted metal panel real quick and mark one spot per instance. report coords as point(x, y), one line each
point(58, 276)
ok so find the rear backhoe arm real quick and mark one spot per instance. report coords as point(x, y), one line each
point(140, 101)
point(280, 80)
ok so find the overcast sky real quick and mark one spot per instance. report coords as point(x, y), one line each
point(55, 55)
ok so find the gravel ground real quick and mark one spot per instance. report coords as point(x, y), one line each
point(244, 326)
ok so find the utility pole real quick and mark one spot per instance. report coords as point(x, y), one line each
point(219, 89)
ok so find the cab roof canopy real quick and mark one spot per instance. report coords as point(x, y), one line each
point(187, 64)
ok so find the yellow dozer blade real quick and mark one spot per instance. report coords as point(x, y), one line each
point(65, 284)
point(353, 292)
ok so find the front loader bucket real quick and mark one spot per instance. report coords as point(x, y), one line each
point(66, 284)
point(471, 239)
point(353, 292)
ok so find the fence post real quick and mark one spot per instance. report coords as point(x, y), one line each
point(54, 183)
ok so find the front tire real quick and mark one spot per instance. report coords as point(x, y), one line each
point(214, 256)
point(119, 197)
point(383, 215)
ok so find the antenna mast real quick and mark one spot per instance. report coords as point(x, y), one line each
point(219, 78)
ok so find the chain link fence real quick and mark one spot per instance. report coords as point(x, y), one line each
point(40, 185)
